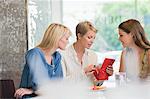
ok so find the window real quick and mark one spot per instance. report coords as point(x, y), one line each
point(39, 17)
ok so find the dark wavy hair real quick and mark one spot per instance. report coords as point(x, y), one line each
point(135, 28)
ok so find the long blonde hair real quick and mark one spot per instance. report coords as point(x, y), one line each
point(52, 35)
point(135, 28)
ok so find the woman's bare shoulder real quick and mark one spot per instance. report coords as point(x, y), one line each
point(123, 52)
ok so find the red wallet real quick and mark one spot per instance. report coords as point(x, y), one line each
point(101, 73)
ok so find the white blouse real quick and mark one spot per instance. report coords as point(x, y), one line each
point(72, 68)
point(132, 66)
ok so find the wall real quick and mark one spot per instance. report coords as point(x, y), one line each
point(13, 38)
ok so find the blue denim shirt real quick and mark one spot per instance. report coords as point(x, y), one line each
point(37, 70)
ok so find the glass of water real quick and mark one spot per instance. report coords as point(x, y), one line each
point(120, 78)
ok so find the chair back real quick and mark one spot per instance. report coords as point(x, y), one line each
point(7, 89)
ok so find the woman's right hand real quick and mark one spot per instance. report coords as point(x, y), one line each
point(93, 78)
point(89, 69)
point(22, 91)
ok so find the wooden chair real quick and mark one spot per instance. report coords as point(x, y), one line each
point(7, 89)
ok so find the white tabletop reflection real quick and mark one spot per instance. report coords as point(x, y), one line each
point(82, 90)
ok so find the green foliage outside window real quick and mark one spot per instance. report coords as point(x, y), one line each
point(110, 15)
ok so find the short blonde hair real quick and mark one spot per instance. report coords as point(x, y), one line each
point(83, 27)
point(52, 35)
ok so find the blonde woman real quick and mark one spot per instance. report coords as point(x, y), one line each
point(135, 58)
point(78, 60)
point(44, 62)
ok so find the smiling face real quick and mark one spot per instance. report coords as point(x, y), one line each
point(125, 39)
point(87, 40)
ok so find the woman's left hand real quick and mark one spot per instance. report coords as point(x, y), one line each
point(110, 70)
point(22, 91)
